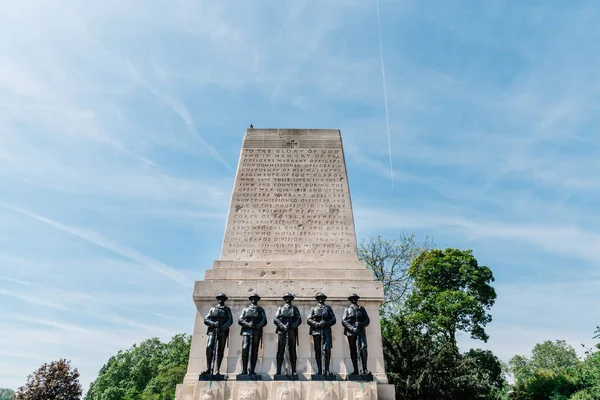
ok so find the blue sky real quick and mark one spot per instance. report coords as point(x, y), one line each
point(121, 124)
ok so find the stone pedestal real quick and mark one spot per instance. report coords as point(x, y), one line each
point(278, 390)
point(290, 229)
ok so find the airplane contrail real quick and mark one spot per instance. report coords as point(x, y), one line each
point(387, 116)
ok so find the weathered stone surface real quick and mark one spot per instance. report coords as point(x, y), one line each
point(292, 264)
point(287, 274)
point(290, 229)
point(290, 199)
point(279, 390)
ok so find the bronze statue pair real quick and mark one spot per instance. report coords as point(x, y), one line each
point(219, 319)
point(287, 320)
point(355, 320)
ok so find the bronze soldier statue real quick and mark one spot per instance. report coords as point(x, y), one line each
point(287, 320)
point(218, 320)
point(252, 320)
point(355, 321)
point(320, 320)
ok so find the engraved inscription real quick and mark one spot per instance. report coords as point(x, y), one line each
point(290, 201)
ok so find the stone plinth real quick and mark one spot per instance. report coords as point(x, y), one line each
point(290, 228)
point(278, 390)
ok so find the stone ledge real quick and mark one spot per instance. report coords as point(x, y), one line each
point(320, 133)
point(273, 290)
point(283, 274)
point(291, 264)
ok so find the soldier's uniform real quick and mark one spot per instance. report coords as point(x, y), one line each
point(218, 320)
point(320, 320)
point(287, 320)
point(252, 320)
point(355, 321)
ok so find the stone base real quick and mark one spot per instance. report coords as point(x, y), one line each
point(317, 377)
point(247, 377)
point(285, 377)
point(285, 390)
point(360, 378)
point(210, 377)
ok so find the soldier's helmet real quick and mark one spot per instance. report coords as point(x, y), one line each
point(222, 296)
point(254, 296)
point(353, 296)
point(320, 295)
point(288, 295)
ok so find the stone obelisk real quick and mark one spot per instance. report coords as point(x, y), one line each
point(290, 228)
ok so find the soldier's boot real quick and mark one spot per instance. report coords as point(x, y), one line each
point(354, 366)
point(279, 363)
point(319, 366)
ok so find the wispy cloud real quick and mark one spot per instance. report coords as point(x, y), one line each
point(181, 110)
point(563, 239)
point(32, 299)
point(67, 297)
point(98, 240)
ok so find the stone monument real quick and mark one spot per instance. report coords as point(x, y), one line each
point(290, 228)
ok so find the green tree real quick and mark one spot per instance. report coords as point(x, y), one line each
point(545, 384)
point(52, 381)
point(487, 371)
point(6, 394)
point(162, 386)
point(430, 295)
point(407, 353)
point(148, 371)
point(553, 371)
point(390, 261)
point(452, 292)
point(588, 374)
point(557, 357)
point(426, 366)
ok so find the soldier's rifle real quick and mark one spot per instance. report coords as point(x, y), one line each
point(288, 362)
point(251, 344)
point(323, 343)
point(215, 349)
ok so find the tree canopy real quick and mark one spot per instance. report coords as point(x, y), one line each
point(556, 357)
point(452, 292)
point(390, 261)
point(6, 394)
point(423, 365)
point(148, 371)
point(448, 291)
point(555, 372)
point(55, 381)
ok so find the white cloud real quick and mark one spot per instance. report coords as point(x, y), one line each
point(98, 240)
point(550, 237)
